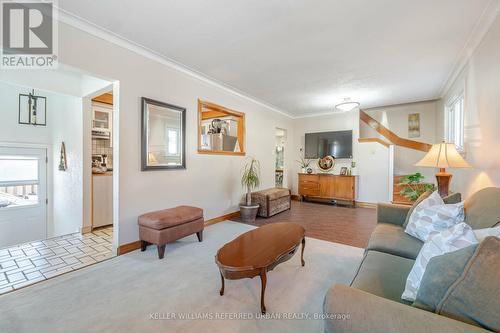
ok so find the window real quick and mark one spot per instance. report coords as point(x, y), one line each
point(173, 138)
point(454, 121)
point(18, 181)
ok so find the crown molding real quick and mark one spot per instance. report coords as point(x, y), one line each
point(109, 36)
point(429, 100)
point(477, 34)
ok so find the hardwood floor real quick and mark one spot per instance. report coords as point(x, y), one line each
point(351, 226)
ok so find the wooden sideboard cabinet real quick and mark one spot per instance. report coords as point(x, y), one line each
point(328, 186)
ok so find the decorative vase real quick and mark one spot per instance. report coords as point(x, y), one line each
point(249, 213)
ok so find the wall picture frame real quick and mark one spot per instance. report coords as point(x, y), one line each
point(414, 125)
point(32, 109)
point(163, 137)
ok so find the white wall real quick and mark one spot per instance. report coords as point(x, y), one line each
point(64, 189)
point(210, 181)
point(481, 80)
point(395, 118)
point(372, 160)
point(67, 185)
point(375, 170)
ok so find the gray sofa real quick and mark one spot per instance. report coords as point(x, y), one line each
point(372, 302)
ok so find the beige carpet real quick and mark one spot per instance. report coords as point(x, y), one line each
point(127, 293)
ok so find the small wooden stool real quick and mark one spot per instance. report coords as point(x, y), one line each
point(168, 225)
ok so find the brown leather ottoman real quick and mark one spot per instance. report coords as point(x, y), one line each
point(168, 225)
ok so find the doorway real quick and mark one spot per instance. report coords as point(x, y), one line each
point(45, 176)
point(279, 173)
point(101, 195)
point(23, 195)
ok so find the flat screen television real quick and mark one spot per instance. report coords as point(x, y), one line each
point(337, 144)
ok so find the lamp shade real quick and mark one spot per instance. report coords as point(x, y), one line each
point(443, 155)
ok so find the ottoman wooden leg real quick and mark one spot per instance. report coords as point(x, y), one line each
point(199, 234)
point(144, 245)
point(161, 250)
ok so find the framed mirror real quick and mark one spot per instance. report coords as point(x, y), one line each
point(220, 130)
point(163, 136)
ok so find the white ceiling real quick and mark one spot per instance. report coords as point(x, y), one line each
point(303, 56)
point(64, 80)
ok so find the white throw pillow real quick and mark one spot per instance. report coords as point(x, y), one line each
point(433, 215)
point(481, 234)
point(452, 239)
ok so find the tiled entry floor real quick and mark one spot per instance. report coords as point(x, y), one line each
point(29, 263)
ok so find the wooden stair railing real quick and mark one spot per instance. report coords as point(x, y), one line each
point(391, 136)
point(379, 140)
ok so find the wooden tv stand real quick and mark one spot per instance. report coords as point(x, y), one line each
point(327, 186)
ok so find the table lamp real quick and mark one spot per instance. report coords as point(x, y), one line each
point(443, 155)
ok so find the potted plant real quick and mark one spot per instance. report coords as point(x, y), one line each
point(250, 180)
point(304, 164)
point(412, 186)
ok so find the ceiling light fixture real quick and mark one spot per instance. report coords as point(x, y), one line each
point(347, 105)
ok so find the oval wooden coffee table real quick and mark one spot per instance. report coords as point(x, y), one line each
point(258, 251)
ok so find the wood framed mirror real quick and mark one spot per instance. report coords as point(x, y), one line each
point(163, 136)
point(220, 130)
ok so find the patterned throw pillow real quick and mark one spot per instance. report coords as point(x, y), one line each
point(417, 202)
point(433, 215)
point(452, 239)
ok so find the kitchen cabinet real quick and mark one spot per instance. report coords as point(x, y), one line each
point(102, 199)
point(102, 121)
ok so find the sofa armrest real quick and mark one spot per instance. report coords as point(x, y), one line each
point(351, 310)
point(391, 213)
